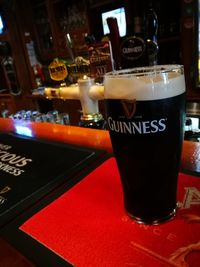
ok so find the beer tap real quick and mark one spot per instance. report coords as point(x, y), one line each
point(88, 93)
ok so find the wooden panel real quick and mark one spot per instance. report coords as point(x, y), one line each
point(7, 102)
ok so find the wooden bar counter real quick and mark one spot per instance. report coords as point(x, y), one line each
point(98, 139)
point(86, 137)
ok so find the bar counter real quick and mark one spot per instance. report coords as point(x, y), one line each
point(91, 138)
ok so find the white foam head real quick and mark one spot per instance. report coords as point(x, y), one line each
point(148, 83)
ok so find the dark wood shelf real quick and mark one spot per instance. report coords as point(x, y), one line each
point(169, 39)
point(5, 95)
point(4, 37)
point(37, 96)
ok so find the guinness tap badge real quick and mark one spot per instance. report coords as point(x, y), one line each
point(133, 48)
point(57, 70)
point(129, 107)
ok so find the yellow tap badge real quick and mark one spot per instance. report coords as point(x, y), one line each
point(57, 70)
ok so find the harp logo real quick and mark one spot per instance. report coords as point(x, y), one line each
point(135, 126)
point(129, 107)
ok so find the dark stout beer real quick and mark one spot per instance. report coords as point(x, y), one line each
point(146, 130)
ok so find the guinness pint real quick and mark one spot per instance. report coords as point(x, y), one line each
point(145, 115)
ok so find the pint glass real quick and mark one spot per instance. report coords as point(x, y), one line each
point(145, 110)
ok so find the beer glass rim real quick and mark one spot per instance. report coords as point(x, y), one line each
point(145, 70)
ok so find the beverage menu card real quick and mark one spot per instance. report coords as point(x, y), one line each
point(87, 226)
point(30, 169)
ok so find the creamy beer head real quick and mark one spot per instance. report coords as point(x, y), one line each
point(145, 83)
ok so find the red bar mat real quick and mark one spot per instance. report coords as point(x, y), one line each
point(87, 226)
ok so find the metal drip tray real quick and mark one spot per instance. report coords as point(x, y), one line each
point(193, 109)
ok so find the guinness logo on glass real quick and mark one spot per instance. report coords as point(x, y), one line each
point(129, 107)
